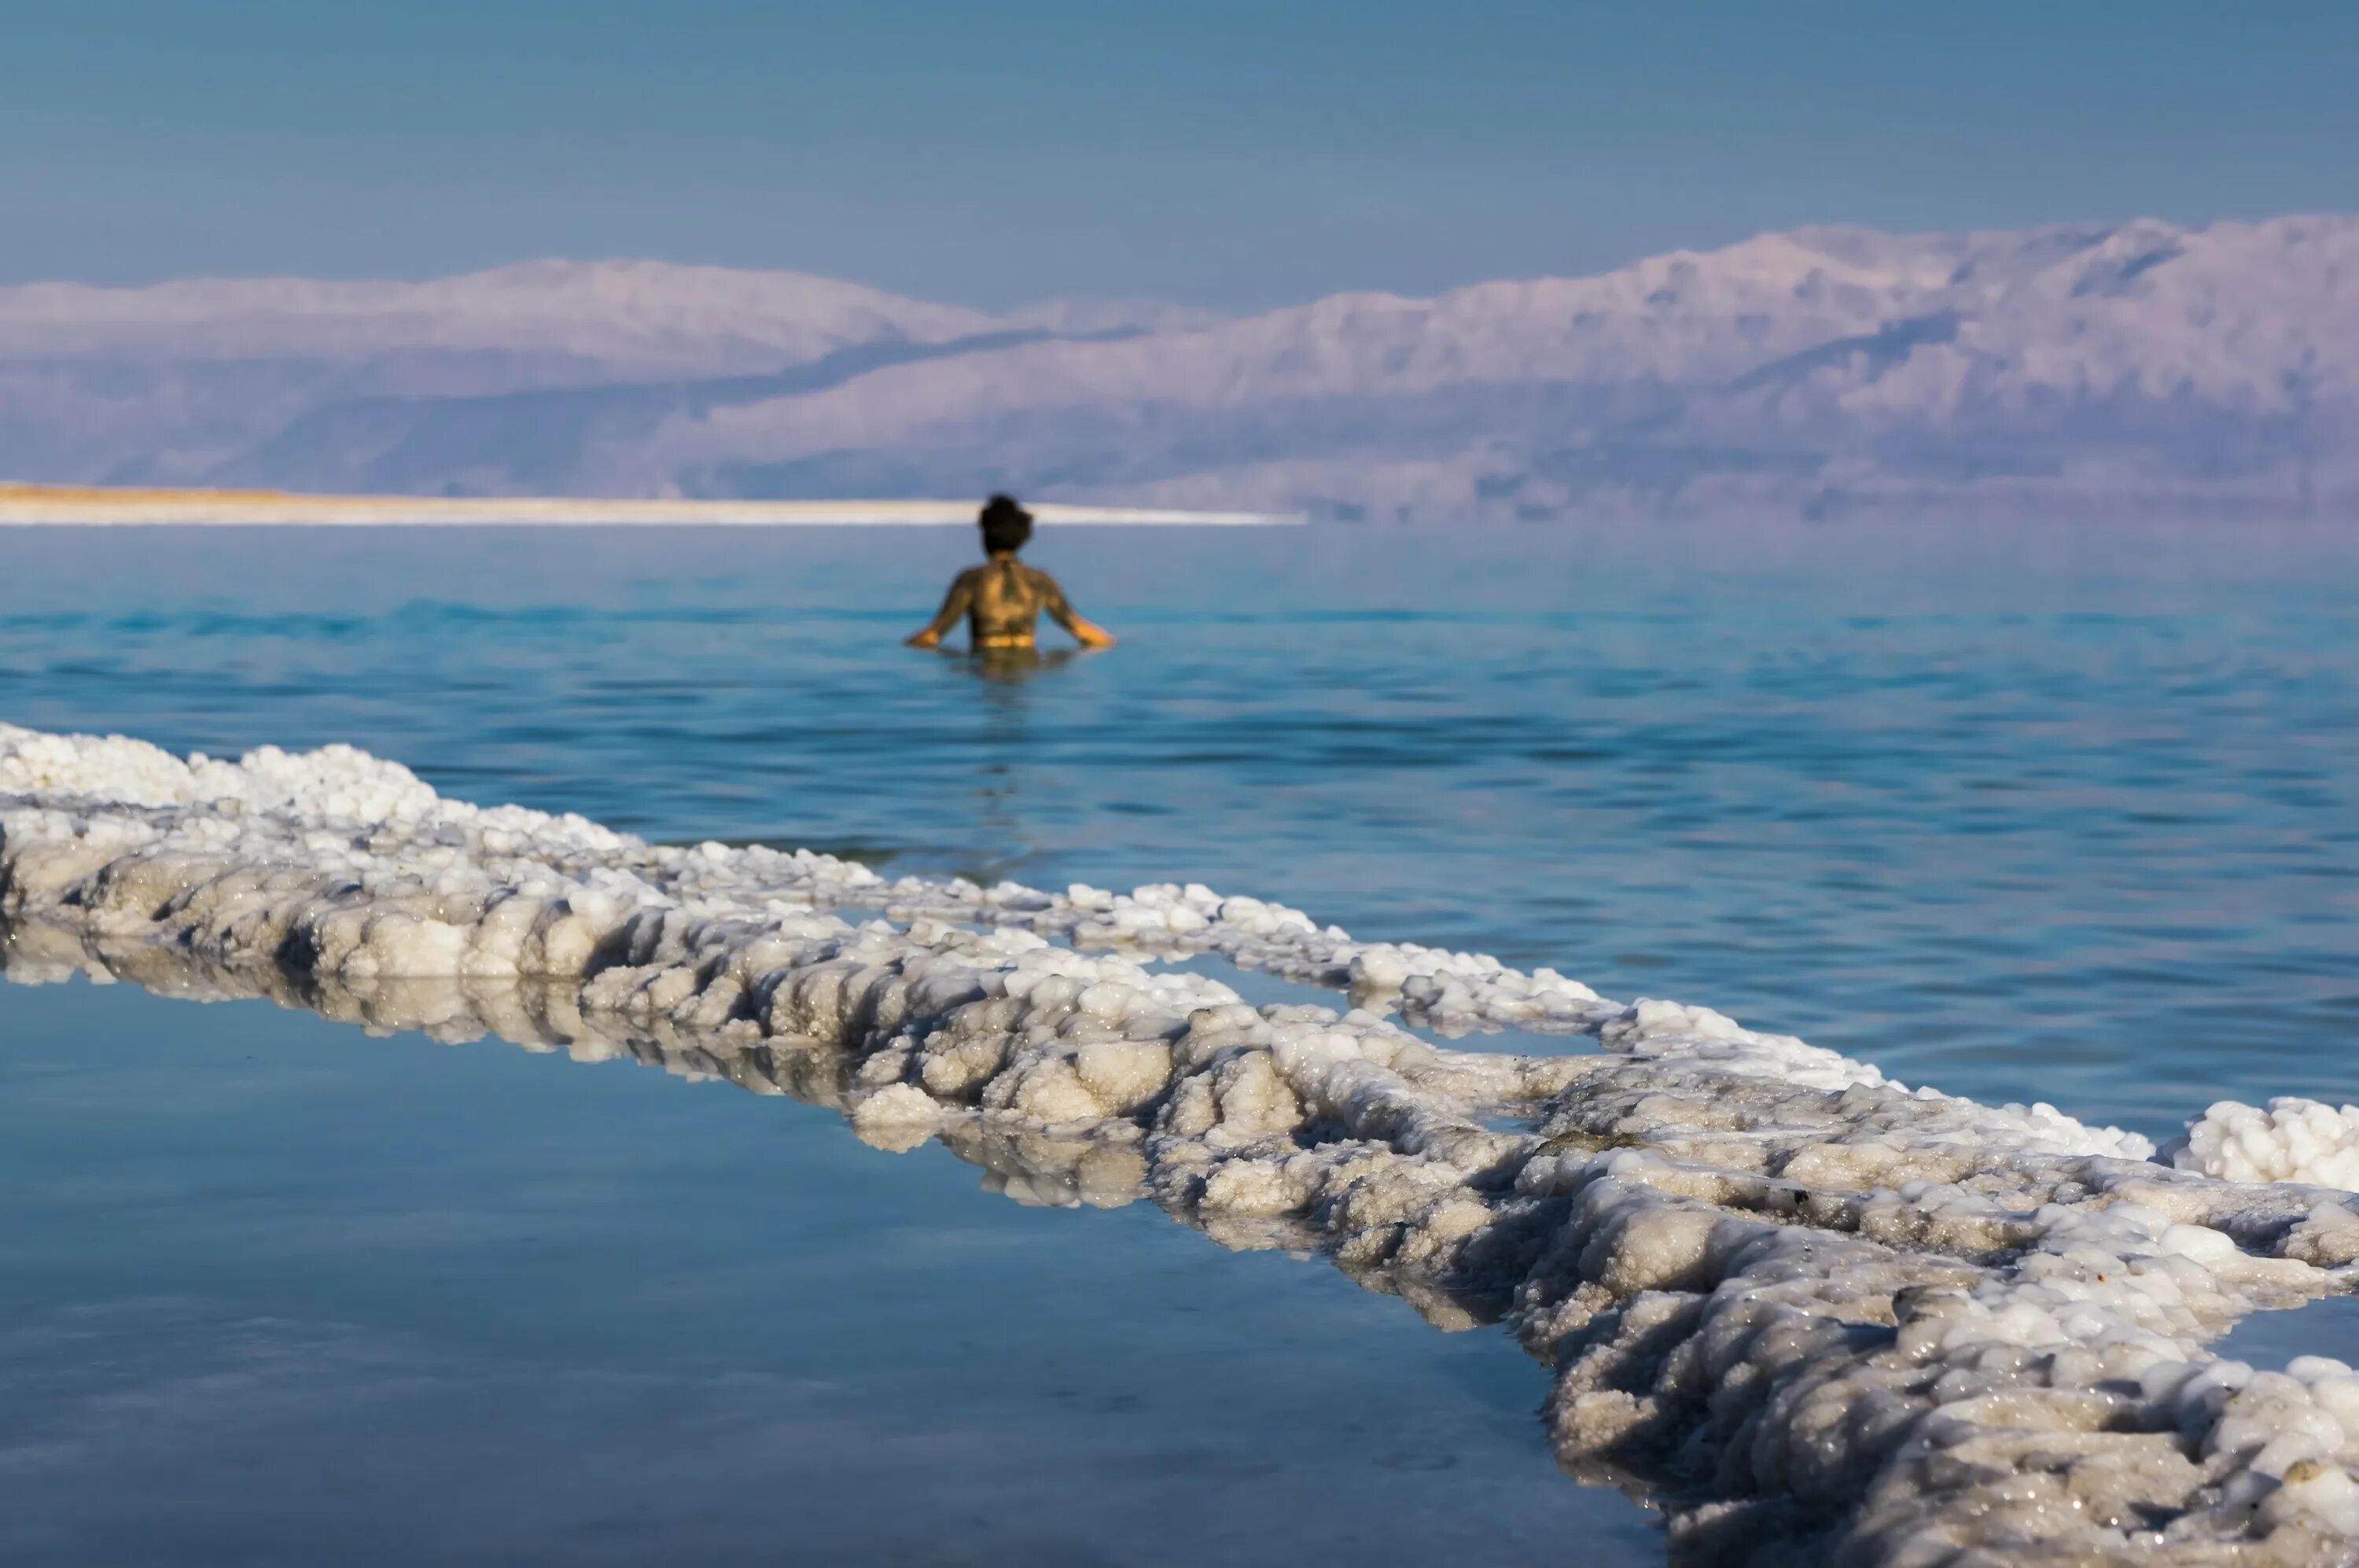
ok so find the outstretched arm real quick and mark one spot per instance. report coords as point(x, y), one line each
point(1087, 633)
point(954, 605)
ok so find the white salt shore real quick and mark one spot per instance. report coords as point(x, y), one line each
point(53, 507)
point(1818, 1316)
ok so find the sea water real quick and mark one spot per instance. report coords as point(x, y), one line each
point(2023, 812)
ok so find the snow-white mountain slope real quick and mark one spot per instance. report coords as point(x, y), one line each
point(2128, 368)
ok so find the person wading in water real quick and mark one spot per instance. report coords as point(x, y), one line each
point(1001, 598)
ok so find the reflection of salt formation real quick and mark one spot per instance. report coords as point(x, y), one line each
point(1819, 1315)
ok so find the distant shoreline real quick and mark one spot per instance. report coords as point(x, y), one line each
point(86, 505)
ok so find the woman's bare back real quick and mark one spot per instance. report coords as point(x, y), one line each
point(1001, 600)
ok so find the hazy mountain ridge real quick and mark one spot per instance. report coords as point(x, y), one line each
point(2129, 368)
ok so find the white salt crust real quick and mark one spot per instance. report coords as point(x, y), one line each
point(2293, 1140)
point(1819, 1317)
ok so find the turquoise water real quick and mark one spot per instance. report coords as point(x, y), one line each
point(2024, 812)
point(2018, 811)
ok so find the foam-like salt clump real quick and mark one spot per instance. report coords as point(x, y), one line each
point(2293, 1139)
point(1819, 1315)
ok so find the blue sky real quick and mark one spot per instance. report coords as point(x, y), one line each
point(1227, 153)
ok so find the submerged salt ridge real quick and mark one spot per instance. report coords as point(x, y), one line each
point(1819, 1316)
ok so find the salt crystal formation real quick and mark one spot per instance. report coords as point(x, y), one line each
point(1817, 1316)
point(2293, 1140)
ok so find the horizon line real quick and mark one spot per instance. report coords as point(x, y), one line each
point(102, 505)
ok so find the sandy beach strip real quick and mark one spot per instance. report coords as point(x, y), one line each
point(74, 505)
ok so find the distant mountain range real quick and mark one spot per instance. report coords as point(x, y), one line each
point(2130, 369)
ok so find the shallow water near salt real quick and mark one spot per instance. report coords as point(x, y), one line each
point(2022, 812)
point(2269, 1340)
point(338, 1299)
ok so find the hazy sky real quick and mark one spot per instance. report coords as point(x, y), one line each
point(1228, 153)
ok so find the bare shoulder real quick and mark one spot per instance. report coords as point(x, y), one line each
point(1039, 579)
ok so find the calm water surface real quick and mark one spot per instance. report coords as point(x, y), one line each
point(2025, 813)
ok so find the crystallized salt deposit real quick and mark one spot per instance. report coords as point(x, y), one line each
point(1818, 1315)
point(2293, 1140)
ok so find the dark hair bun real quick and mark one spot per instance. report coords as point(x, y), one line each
point(1005, 524)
